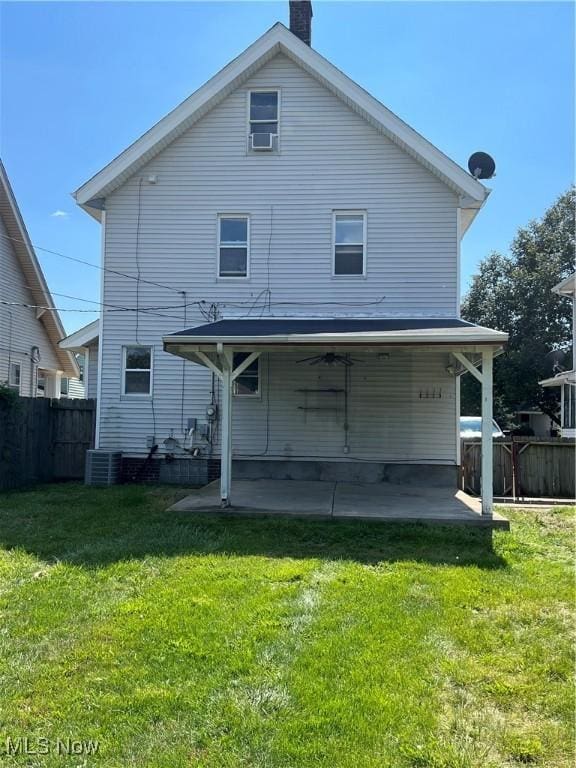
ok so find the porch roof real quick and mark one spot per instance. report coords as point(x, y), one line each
point(565, 377)
point(271, 331)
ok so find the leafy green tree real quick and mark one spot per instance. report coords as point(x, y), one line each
point(513, 293)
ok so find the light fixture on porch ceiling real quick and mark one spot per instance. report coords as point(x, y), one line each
point(329, 358)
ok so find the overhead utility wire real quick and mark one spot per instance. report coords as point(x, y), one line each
point(88, 311)
point(90, 264)
point(199, 301)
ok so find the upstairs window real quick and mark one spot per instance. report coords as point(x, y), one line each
point(137, 371)
point(263, 119)
point(248, 383)
point(349, 243)
point(233, 238)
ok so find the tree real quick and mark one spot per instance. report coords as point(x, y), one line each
point(513, 293)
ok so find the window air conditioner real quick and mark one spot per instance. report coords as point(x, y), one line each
point(262, 142)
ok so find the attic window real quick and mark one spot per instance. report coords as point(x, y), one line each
point(263, 120)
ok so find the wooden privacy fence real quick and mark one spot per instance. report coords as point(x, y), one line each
point(43, 440)
point(523, 467)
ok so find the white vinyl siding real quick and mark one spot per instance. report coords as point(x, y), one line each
point(75, 389)
point(389, 416)
point(20, 329)
point(331, 160)
point(91, 371)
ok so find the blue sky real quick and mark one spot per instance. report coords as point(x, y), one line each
point(80, 81)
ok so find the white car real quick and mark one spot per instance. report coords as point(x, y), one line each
point(471, 426)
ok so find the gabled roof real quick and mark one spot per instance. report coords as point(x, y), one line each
point(567, 286)
point(82, 338)
point(33, 274)
point(277, 40)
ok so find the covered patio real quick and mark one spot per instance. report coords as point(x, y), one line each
point(455, 345)
point(340, 501)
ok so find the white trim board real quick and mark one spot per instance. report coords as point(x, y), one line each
point(82, 337)
point(474, 335)
point(277, 40)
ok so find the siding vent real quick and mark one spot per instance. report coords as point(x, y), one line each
point(301, 20)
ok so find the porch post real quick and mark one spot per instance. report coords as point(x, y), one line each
point(226, 450)
point(53, 382)
point(487, 470)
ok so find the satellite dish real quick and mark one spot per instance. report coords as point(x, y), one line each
point(481, 165)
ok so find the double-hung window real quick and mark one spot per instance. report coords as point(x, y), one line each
point(349, 243)
point(263, 119)
point(14, 376)
point(233, 245)
point(247, 384)
point(137, 379)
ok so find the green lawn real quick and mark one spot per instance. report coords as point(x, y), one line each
point(183, 640)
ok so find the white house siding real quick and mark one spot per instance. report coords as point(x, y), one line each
point(20, 330)
point(330, 159)
point(401, 407)
point(91, 371)
point(76, 389)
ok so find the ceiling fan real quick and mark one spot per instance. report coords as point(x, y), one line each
point(329, 358)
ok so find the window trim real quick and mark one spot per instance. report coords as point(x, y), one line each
point(350, 212)
point(219, 218)
point(11, 383)
point(150, 370)
point(568, 406)
point(245, 395)
point(249, 122)
point(41, 374)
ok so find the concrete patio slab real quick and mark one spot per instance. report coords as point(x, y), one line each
point(359, 501)
point(288, 497)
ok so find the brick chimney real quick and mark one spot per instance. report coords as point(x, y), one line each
point(301, 19)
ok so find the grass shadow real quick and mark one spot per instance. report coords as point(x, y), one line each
point(95, 527)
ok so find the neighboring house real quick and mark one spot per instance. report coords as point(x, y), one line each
point(30, 359)
point(295, 254)
point(539, 424)
point(567, 379)
point(84, 343)
point(74, 388)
